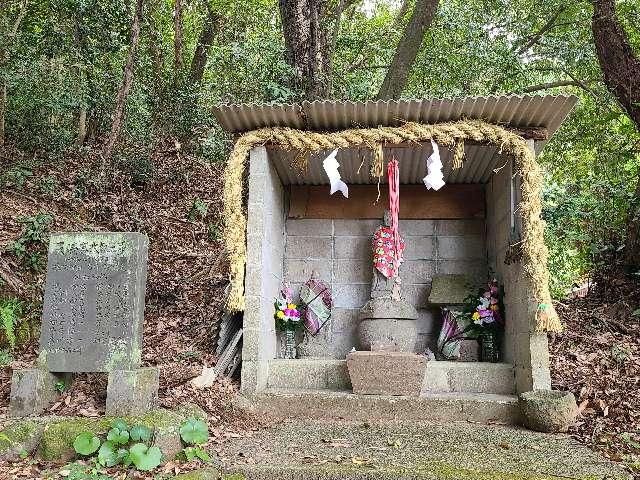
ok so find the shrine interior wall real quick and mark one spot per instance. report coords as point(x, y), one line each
point(340, 252)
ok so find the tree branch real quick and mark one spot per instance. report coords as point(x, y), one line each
point(395, 80)
point(558, 83)
point(535, 38)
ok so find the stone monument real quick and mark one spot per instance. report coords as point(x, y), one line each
point(387, 323)
point(388, 333)
point(92, 321)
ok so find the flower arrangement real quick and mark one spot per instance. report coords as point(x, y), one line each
point(287, 314)
point(487, 312)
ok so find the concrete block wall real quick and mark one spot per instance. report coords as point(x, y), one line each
point(340, 253)
point(264, 271)
point(522, 346)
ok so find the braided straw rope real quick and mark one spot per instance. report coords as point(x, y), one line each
point(449, 134)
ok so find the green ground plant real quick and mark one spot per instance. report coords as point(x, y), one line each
point(10, 316)
point(30, 246)
point(5, 358)
point(194, 433)
point(124, 445)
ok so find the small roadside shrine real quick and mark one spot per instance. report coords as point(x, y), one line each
point(391, 253)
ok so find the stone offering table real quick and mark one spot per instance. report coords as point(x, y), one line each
point(386, 373)
point(92, 322)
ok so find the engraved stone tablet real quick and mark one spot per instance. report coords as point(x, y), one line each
point(94, 302)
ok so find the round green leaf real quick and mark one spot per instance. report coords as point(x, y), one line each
point(194, 431)
point(107, 454)
point(120, 424)
point(140, 433)
point(145, 458)
point(86, 443)
point(118, 436)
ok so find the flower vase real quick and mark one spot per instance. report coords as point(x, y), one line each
point(489, 348)
point(288, 344)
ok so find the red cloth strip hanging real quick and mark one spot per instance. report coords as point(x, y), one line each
point(393, 172)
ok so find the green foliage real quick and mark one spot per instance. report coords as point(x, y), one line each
point(195, 452)
point(115, 450)
point(214, 231)
point(145, 458)
point(86, 443)
point(118, 437)
point(5, 358)
point(10, 315)
point(31, 243)
point(194, 431)
point(198, 210)
point(15, 176)
point(140, 433)
point(60, 386)
point(119, 424)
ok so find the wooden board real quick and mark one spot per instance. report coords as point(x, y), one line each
point(416, 202)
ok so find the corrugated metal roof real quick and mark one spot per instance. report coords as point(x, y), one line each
point(513, 110)
point(355, 164)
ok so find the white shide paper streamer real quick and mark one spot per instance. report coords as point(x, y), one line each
point(331, 166)
point(434, 178)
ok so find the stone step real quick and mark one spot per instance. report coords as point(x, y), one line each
point(296, 450)
point(344, 405)
point(440, 376)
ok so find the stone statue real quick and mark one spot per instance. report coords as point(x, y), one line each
point(387, 323)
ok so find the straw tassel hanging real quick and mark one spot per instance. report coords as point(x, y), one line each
point(458, 155)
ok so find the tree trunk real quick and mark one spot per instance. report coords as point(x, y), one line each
point(396, 79)
point(304, 26)
point(127, 79)
point(621, 70)
point(205, 40)
point(177, 41)
point(632, 244)
point(3, 108)
point(619, 65)
point(82, 125)
point(4, 57)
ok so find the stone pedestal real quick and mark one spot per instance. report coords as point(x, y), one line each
point(386, 373)
point(388, 325)
point(32, 391)
point(132, 392)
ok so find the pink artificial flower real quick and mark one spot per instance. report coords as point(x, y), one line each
point(487, 295)
point(485, 313)
point(494, 300)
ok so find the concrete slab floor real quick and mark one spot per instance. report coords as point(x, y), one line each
point(460, 450)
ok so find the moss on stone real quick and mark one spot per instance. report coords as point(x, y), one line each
point(16, 434)
point(204, 474)
point(192, 410)
point(59, 434)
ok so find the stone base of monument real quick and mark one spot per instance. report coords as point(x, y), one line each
point(33, 390)
point(386, 373)
point(388, 325)
point(132, 392)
